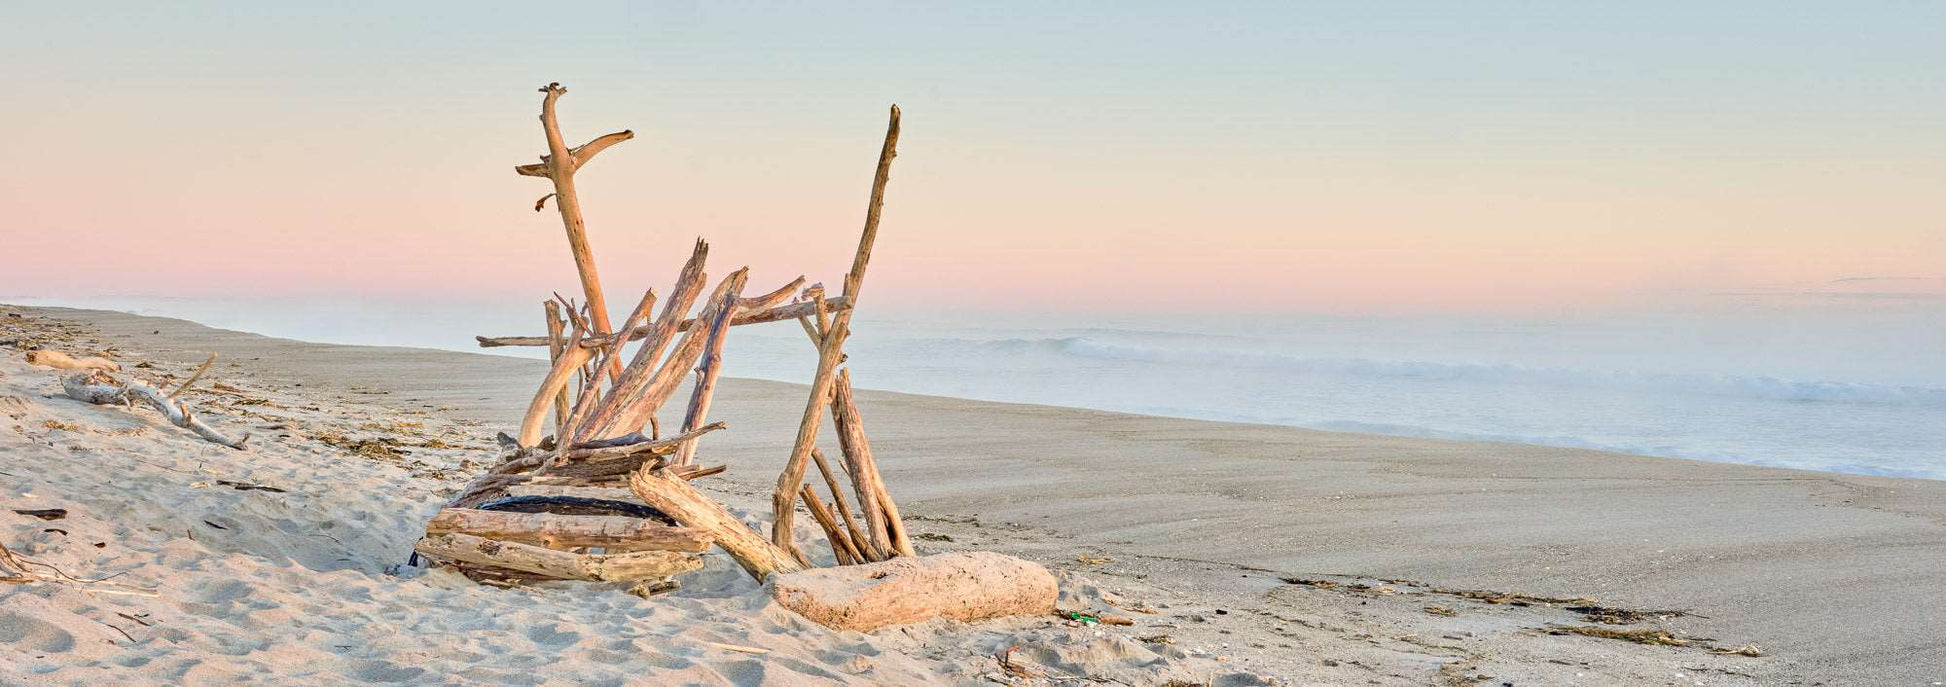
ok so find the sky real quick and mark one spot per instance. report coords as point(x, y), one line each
point(1348, 157)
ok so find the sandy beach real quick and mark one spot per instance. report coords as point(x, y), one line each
point(1246, 554)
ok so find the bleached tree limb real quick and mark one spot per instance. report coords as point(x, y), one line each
point(831, 350)
point(666, 492)
point(642, 368)
point(559, 166)
point(100, 388)
point(783, 312)
point(772, 299)
point(192, 378)
point(863, 544)
point(584, 404)
point(554, 384)
point(881, 512)
point(636, 411)
point(556, 346)
point(710, 366)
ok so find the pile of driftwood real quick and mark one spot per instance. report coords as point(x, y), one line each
point(606, 496)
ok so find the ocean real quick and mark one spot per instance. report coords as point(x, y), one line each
point(1853, 385)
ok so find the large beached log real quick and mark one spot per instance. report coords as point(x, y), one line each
point(604, 493)
point(666, 492)
point(100, 388)
point(777, 314)
point(559, 165)
point(600, 567)
point(831, 349)
point(959, 586)
point(611, 532)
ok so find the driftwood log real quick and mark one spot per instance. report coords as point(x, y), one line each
point(100, 388)
point(959, 586)
point(611, 532)
point(63, 361)
point(600, 567)
point(666, 492)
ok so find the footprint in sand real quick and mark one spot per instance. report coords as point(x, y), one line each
point(33, 634)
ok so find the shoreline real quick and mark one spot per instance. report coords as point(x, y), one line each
point(1405, 432)
point(1816, 567)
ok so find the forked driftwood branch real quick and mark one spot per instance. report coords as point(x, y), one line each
point(831, 349)
point(100, 388)
point(559, 166)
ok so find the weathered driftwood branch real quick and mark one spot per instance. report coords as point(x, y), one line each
point(557, 345)
point(611, 532)
point(636, 411)
point(642, 368)
point(882, 514)
point(772, 299)
point(63, 361)
point(959, 586)
point(831, 350)
point(606, 567)
point(559, 166)
point(100, 388)
point(777, 314)
point(554, 384)
point(656, 447)
point(868, 550)
point(711, 365)
point(841, 546)
point(584, 404)
point(666, 492)
point(200, 371)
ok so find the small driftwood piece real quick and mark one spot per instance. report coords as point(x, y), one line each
point(611, 532)
point(862, 543)
point(559, 165)
point(100, 388)
point(777, 314)
point(841, 546)
point(964, 586)
point(831, 349)
point(881, 512)
point(672, 495)
point(603, 567)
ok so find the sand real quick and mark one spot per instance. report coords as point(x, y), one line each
point(1244, 554)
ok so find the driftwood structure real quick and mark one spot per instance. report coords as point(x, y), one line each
point(589, 488)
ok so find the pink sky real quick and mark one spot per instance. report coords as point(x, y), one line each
point(321, 165)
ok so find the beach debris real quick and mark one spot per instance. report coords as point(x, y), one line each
point(1007, 664)
point(62, 361)
point(737, 648)
point(1647, 635)
point(599, 399)
point(1622, 616)
point(18, 569)
point(1123, 620)
point(1085, 559)
point(43, 513)
point(1441, 611)
point(100, 388)
point(1745, 650)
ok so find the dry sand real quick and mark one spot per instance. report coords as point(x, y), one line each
point(1268, 555)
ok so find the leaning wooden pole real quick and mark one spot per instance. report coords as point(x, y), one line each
point(559, 166)
point(830, 351)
